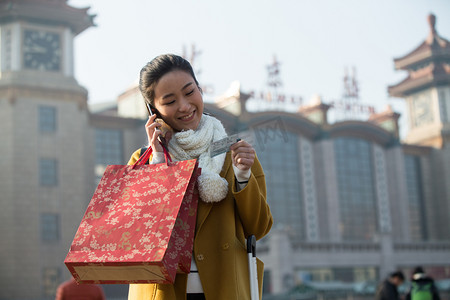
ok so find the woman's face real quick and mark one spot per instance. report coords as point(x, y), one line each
point(179, 100)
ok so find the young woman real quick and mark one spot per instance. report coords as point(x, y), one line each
point(232, 188)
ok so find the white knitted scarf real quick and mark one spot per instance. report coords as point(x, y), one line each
point(193, 144)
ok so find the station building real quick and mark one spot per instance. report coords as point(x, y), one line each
point(351, 201)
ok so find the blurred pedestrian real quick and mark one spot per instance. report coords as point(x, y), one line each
point(387, 290)
point(71, 290)
point(422, 286)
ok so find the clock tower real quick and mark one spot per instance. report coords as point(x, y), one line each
point(44, 125)
point(36, 43)
point(426, 89)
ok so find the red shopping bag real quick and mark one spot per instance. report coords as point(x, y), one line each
point(139, 226)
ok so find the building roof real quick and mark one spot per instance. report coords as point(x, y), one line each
point(46, 12)
point(428, 65)
point(433, 47)
point(362, 130)
point(432, 75)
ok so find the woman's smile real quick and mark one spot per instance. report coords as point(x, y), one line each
point(188, 117)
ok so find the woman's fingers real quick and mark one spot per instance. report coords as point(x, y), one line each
point(243, 155)
point(151, 127)
point(155, 143)
point(244, 159)
point(244, 148)
point(151, 119)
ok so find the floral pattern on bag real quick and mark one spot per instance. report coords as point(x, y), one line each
point(140, 216)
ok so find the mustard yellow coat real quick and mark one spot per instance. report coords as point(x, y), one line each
point(220, 242)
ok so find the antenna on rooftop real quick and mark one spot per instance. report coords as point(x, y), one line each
point(350, 106)
point(350, 95)
point(192, 57)
point(273, 79)
point(351, 88)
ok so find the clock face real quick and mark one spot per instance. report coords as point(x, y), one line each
point(422, 110)
point(42, 50)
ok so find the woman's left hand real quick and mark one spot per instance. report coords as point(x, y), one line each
point(243, 155)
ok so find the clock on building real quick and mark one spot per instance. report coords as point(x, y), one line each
point(422, 110)
point(41, 50)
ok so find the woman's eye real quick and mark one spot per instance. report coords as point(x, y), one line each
point(170, 102)
point(190, 93)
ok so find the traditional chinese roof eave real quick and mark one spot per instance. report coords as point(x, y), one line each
point(418, 57)
point(384, 116)
point(420, 54)
point(433, 48)
point(411, 85)
point(314, 107)
point(46, 12)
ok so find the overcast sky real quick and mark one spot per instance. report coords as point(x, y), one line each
point(314, 41)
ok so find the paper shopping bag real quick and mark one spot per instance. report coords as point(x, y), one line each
point(139, 226)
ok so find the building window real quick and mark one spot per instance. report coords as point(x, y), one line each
point(50, 227)
point(416, 205)
point(51, 278)
point(47, 118)
point(283, 180)
point(108, 149)
point(357, 204)
point(48, 172)
point(443, 107)
point(267, 283)
point(340, 274)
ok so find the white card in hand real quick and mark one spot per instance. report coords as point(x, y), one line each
point(223, 145)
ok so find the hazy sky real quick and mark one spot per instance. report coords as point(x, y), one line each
point(314, 40)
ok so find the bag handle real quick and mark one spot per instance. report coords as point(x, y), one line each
point(146, 156)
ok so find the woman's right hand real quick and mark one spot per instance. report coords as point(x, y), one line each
point(152, 129)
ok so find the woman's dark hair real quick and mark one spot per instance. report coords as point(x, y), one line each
point(152, 72)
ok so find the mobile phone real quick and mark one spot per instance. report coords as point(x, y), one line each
point(161, 139)
point(149, 109)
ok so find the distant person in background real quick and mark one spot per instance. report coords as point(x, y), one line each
point(387, 290)
point(70, 290)
point(422, 287)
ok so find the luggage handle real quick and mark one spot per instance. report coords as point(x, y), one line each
point(251, 245)
point(252, 267)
